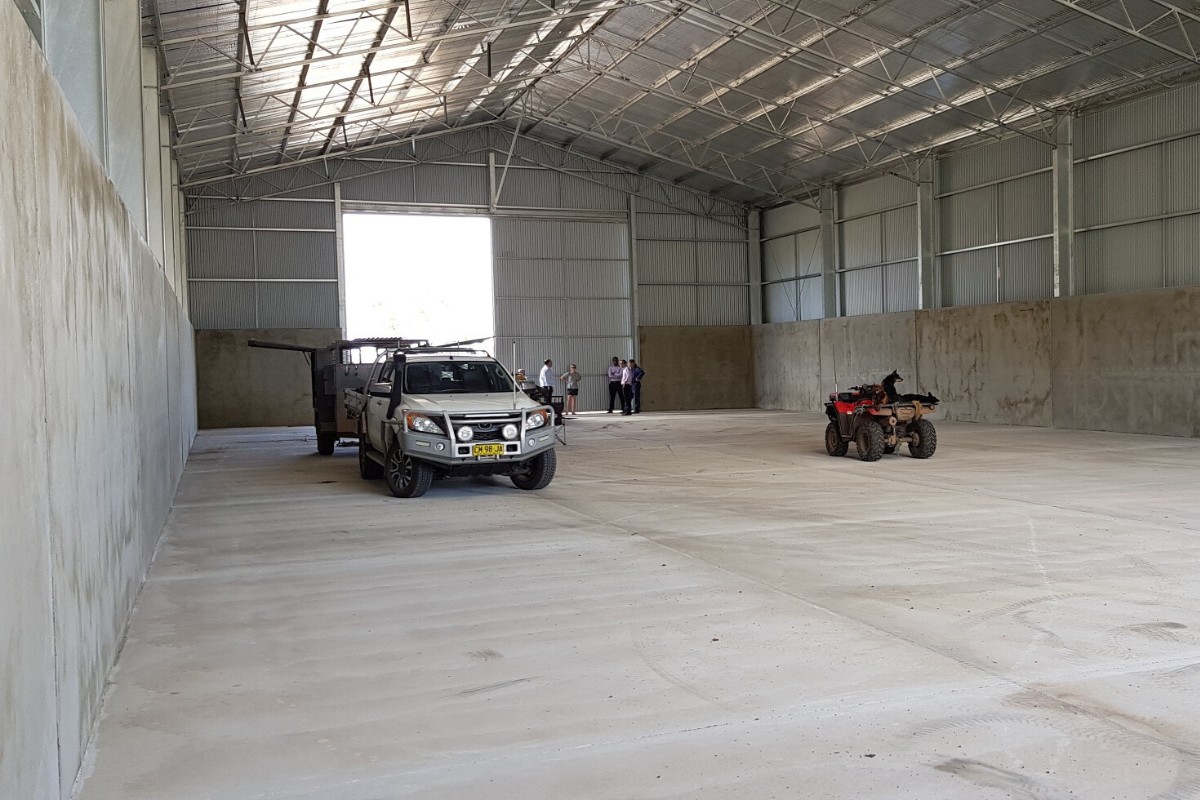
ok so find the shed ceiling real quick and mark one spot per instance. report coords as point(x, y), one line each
point(754, 101)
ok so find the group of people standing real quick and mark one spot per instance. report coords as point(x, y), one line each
point(624, 384)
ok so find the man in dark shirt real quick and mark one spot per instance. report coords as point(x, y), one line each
point(614, 384)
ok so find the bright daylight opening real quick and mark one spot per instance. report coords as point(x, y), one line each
point(419, 277)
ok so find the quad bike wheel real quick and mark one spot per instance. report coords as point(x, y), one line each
point(869, 440)
point(406, 476)
point(833, 441)
point(922, 439)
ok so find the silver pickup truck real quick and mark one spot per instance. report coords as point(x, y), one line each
point(450, 412)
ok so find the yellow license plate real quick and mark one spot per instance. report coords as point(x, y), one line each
point(488, 450)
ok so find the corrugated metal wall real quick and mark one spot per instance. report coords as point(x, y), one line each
point(1137, 195)
point(563, 292)
point(263, 264)
point(273, 262)
point(691, 270)
point(792, 261)
point(996, 222)
point(877, 240)
point(564, 253)
point(1136, 178)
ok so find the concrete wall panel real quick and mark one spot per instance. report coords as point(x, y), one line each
point(94, 441)
point(857, 350)
point(242, 386)
point(697, 367)
point(1128, 362)
point(787, 365)
point(988, 363)
point(1117, 362)
point(28, 730)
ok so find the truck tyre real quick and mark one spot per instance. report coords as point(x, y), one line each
point(833, 441)
point(369, 469)
point(406, 476)
point(869, 440)
point(538, 473)
point(922, 439)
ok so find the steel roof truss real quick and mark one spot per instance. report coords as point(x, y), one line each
point(385, 25)
point(1149, 31)
point(490, 26)
point(706, 8)
point(645, 147)
point(297, 112)
point(668, 91)
point(582, 31)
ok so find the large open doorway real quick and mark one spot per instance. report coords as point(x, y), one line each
point(419, 277)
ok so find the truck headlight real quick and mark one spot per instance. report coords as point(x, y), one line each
point(535, 420)
point(510, 431)
point(465, 434)
point(423, 424)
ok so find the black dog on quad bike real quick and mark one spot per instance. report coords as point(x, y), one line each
point(889, 388)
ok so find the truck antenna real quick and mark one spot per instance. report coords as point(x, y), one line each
point(513, 369)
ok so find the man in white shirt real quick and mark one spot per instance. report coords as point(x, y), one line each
point(626, 388)
point(546, 376)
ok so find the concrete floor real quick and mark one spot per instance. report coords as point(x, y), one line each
point(699, 606)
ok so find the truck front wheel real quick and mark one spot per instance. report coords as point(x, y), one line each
point(368, 468)
point(406, 476)
point(538, 472)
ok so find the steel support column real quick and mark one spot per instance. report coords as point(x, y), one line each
point(754, 247)
point(492, 189)
point(634, 323)
point(1066, 280)
point(341, 256)
point(929, 297)
point(829, 271)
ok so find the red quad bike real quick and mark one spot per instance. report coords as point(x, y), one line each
point(878, 420)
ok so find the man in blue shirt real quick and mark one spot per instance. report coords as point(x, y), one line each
point(637, 373)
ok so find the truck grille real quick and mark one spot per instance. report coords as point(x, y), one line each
point(487, 429)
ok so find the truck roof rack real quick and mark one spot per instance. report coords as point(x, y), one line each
point(435, 349)
point(345, 344)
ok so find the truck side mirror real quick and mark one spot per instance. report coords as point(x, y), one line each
point(397, 384)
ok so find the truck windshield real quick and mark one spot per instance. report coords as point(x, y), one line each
point(455, 377)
